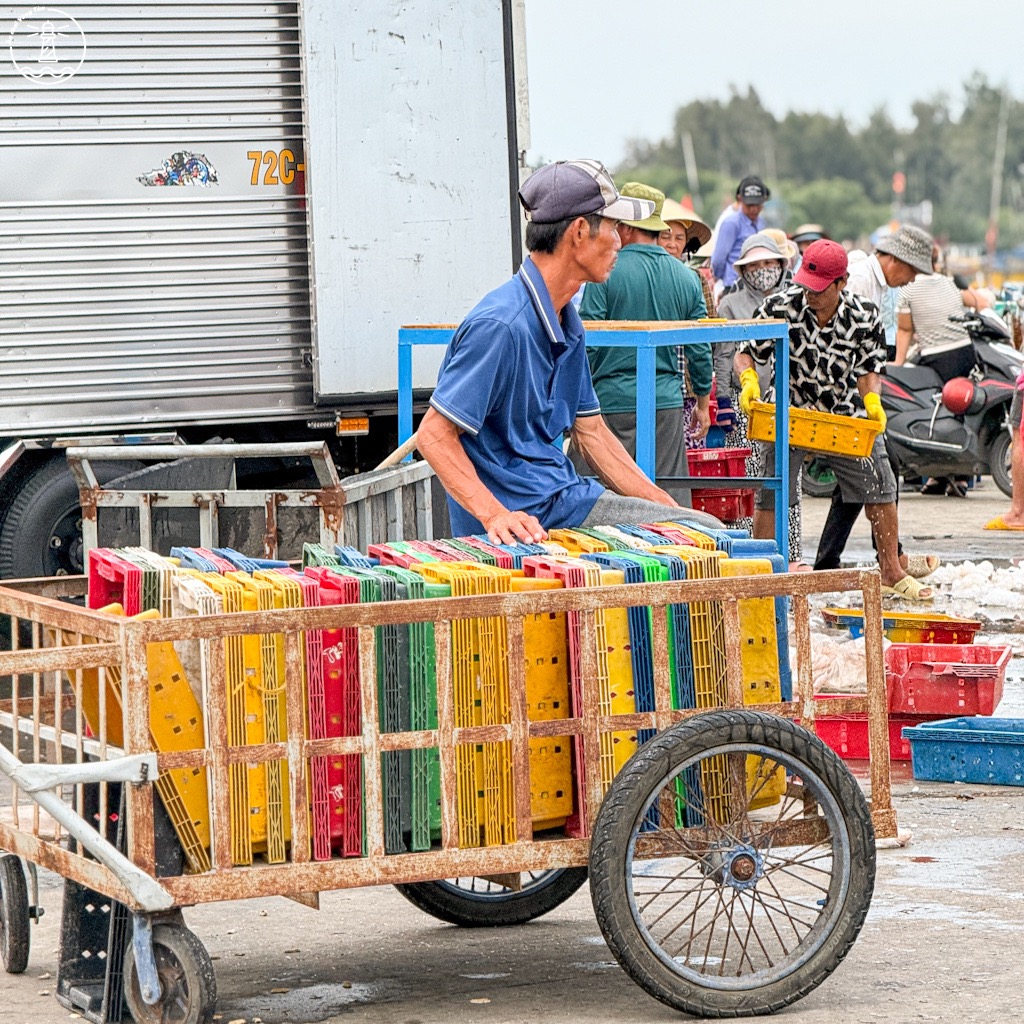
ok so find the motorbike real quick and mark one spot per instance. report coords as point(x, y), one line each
point(957, 430)
point(961, 429)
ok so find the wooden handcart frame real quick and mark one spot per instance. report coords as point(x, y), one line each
point(68, 641)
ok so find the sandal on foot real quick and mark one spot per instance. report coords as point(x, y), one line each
point(920, 566)
point(910, 589)
point(999, 523)
point(934, 487)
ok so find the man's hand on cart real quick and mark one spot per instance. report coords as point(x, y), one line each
point(506, 527)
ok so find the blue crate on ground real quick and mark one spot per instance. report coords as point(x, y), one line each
point(985, 750)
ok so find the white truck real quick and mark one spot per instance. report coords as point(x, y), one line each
point(215, 216)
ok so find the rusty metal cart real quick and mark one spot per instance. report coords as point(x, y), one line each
point(716, 901)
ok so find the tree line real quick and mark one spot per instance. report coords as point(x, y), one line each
point(822, 170)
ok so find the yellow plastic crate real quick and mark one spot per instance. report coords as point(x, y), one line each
point(175, 724)
point(617, 748)
point(486, 809)
point(546, 652)
point(245, 721)
point(759, 651)
point(577, 543)
point(264, 669)
point(702, 541)
point(759, 658)
point(817, 431)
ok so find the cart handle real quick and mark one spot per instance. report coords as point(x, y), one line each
point(150, 895)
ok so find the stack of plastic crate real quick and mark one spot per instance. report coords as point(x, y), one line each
point(292, 590)
point(338, 712)
point(480, 697)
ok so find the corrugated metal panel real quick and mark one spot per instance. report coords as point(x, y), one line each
point(128, 304)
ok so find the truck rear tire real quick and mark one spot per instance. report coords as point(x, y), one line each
point(41, 534)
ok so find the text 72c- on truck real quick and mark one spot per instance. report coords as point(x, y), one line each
point(215, 216)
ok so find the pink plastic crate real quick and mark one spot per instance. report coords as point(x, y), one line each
point(949, 680)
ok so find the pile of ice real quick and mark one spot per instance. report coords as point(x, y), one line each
point(968, 587)
point(839, 664)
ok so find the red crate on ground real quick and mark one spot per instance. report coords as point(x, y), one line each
point(949, 680)
point(847, 734)
point(727, 504)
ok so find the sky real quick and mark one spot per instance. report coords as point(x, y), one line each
point(601, 73)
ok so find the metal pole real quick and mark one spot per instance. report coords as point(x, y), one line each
point(646, 400)
point(404, 387)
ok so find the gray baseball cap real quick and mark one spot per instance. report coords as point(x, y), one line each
point(575, 188)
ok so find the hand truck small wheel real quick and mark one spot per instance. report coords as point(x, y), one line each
point(188, 987)
point(14, 915)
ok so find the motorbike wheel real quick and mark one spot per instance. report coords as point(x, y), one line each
point(816, 479)
point(999, 462)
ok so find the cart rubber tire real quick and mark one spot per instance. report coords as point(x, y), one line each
point(999, 462)
point(14, 917)
point(457, 905)
point(622, 816)
point(186, 979)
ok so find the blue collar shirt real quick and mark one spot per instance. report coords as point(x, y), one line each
point(514, 379)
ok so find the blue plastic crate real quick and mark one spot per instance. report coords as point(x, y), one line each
point(985, 750)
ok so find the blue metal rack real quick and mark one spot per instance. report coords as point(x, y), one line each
point(645, 337)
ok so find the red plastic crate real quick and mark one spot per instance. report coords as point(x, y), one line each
point(114, 580)
point(718, 461)
point(727, 505)
point(950, 680)
point(847, 735)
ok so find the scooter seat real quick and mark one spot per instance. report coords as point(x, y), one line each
point(914, 378)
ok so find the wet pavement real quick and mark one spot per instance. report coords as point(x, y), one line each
point(952, 528)
point(941, 943)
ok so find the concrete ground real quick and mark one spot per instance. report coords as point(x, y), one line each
point(952, 528)
point(942, 941)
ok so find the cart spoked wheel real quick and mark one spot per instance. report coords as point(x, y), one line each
point(14, 915)
point(188, 988)
point(486, 903)
point(732, 864)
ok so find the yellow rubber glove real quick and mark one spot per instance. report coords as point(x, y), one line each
point(873, 405)
point(751, 389)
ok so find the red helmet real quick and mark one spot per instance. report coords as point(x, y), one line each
point(958, 395)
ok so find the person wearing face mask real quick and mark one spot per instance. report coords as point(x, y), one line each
point(763, 270)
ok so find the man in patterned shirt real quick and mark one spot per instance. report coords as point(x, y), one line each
point(836, 351)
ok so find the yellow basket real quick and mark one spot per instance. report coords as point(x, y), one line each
point(818, 431)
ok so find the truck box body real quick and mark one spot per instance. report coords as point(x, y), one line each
point(228, 209)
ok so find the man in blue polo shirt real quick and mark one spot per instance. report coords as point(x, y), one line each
point(515, 378)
